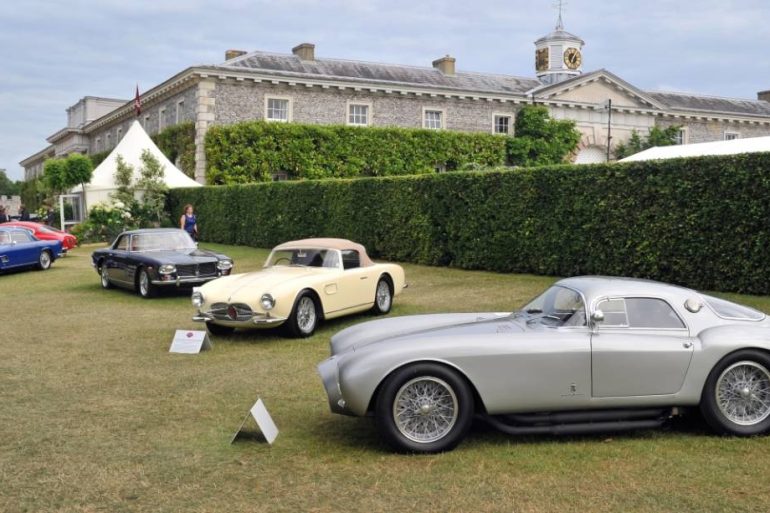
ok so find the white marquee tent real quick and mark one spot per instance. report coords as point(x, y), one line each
point(130, 148)
point(735, 146)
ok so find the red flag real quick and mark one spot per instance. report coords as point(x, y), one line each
point(137, 102)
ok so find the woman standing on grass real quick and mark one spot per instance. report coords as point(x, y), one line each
point(188, 222)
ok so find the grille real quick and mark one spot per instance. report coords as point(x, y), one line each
point(222, 311)
point(186, 271)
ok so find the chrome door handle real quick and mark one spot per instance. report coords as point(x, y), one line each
point(364, 277)
point(687, 345)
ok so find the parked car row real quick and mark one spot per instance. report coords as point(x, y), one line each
point(590, 354)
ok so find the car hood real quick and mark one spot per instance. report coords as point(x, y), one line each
point(372, 332)
point(242, 288)
point(178, 257)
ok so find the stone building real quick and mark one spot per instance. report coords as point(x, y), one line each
point(300, 87)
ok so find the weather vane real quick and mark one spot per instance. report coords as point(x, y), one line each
point(560, 5)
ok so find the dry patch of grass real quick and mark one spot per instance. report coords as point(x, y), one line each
point(96, 415)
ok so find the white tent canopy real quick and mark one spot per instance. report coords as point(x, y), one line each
point(132, 145)
point(735, 146)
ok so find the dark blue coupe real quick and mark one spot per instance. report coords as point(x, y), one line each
point(20, 249)
point(146, 260)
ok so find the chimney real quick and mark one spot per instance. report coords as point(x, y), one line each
point(232, 54)
point(764, 96)
point(305, 51)
point(445, 65)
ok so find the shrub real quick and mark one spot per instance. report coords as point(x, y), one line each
point(177, 143)
point(697, 222)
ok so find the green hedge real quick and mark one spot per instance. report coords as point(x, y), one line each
point(702, 222)
point(255, 151)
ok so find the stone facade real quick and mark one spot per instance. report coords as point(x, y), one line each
point(698, 131)
point(11, 204)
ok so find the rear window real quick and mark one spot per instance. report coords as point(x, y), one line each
point(729, 310)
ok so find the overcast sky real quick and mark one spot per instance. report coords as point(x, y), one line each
point(54, 52)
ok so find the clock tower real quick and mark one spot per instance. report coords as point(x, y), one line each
point(559, 55)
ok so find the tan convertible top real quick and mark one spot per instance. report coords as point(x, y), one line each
point(341, 244)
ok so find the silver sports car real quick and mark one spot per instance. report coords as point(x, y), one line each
point(589, 354)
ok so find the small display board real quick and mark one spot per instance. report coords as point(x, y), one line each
point(190, 342)
point(264, 421)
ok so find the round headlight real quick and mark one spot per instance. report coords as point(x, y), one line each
point(267, 302)
point(224, 265)
point(167, 269)
point(197, 298)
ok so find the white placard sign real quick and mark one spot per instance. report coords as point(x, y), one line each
point(264, 421)
point(190, 342)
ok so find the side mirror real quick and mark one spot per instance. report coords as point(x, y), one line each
point(597, 316)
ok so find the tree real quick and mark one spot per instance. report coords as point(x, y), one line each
point(124, 177)
point(8, 187)
point(78, 171)
point(656, 137)
point(540, 140)
point(153, 186)
point(54, 171)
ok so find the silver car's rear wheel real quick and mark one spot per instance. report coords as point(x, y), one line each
point(736, 397)
point(743, 393)
point(424, 407)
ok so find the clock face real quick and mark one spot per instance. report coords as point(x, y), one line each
point(572, 58)
point(541, 59)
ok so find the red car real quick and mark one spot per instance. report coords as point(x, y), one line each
point(45, 232)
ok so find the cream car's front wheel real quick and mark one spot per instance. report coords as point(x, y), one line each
point(304, 317)
point(383, 297)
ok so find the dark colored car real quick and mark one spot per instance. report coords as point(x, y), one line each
point(146, 260)
point(20, 248)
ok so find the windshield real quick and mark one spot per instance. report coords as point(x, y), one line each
point(305, 257)
point(162, 241)
point(557, 306)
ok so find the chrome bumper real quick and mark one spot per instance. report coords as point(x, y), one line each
point(259, 320)
point(192, 280)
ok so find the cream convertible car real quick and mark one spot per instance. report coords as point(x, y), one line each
point(302, 282)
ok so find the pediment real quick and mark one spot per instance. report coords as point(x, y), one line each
point(596, 88)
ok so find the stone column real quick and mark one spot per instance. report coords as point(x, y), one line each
point(204, 117)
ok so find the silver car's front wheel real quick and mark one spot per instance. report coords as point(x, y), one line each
point(736, 397)
point(424, 407)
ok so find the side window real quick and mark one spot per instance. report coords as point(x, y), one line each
point(614, 312)
point(122, 243)
point(20, 237)
point(652, 313)
point(350, 259)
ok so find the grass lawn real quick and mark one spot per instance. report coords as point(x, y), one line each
point(96, 415)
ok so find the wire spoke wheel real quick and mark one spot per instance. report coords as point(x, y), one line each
point(383, 297)
point(306, 315)
point(742, 393)
point(425, 409)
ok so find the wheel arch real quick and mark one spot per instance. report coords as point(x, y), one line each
point(479, 406)
point(316, 297)
point(759, 349)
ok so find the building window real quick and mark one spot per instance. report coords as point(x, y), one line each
point(161, 118)
point(730, 136)
point(146, 123)
point(502, 124)
point(119, 136)
point(433, 119)
point(98, 144)
point(280, 177)
point(109, 141)
point(681, 136)
point(277, 109)
point(179, 110)
point(358, 114)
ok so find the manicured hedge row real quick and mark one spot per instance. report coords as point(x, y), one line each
point(702, 222)
point(255, 151)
